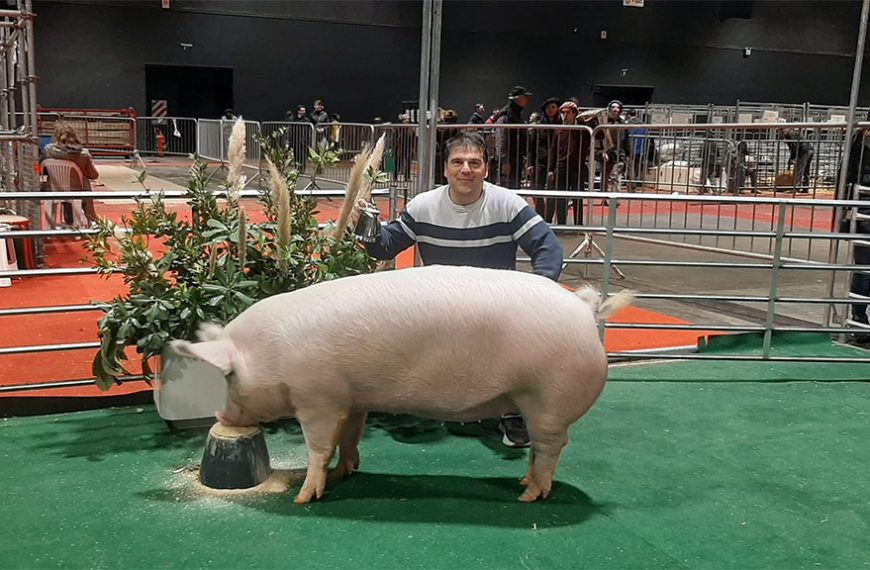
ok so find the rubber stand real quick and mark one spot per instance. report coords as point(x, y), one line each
point(234, 458)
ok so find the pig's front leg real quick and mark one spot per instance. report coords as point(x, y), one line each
point(322, 429)
point(348, 445)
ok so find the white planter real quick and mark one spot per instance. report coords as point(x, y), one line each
point(188, 388)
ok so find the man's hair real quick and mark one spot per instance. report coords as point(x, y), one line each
point(65, 134)
point(467, 140)
point(319, 102)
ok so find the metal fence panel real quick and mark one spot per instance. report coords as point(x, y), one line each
point(166, 135)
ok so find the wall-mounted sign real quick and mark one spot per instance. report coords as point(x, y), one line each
point(633, 3)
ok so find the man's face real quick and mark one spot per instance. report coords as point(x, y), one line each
point(522, 101)
point(302, 111)
point(465, 171)
point(569, 116)
point(318, 106)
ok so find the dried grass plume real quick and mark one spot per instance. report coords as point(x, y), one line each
point(281, 200)
point(236, 157)
point(354, 187)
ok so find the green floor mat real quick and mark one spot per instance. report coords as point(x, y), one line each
point(782, 345)
point(658, 475)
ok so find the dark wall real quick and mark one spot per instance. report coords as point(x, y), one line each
point(363, 57)
point(94, 55)
point(801, 51)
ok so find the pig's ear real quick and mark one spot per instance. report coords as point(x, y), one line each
point(218, 353)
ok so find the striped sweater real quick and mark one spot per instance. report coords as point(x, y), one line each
point(483, 234)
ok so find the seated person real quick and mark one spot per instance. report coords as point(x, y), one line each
point(66, 145)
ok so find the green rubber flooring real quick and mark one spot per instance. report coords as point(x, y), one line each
point(679, 465)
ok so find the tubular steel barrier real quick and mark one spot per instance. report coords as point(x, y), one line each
point(771, 283)
point(166, 135)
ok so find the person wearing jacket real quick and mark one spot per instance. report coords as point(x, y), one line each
point(858, 173)
point(540, 141)
point(566, 166)
point(66, 145)
point(471, 222)
point(510, 143)
point(478, 117)
point(614, 148)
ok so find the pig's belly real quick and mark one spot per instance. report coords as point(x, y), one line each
point(440, 411)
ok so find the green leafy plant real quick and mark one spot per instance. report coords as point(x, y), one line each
point(182, 271)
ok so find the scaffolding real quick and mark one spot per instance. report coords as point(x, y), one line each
point(19, 144)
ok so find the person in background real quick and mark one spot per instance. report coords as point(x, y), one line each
point(320, 119)
point(228, 115)
point(471, 222)
point(442, 135)
point(510, 143)
point(335, 130)
point(800, 156)
point(300, 137)
point(638, 145)
point(858, 173)
point(478, 117)
point(66, 145)
point(565, 167)
point(319, 116)
point(614, 150)
point(540, 141)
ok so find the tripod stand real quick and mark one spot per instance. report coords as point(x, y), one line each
point(588, 243)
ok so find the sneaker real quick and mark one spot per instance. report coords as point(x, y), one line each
point(514, 429)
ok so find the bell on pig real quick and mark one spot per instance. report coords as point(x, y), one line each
point(368, 227)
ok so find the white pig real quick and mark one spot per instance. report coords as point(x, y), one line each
point(447, 343)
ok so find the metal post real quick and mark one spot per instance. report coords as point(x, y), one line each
point(774, 282)
point(833, 251)
point(427, 119)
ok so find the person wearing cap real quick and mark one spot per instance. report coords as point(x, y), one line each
point(478, 117)
point(510, 143)
point(540, 140)
point(565, 166)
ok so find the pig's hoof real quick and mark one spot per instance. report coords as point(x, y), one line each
point(307, 495)
point(533, 492)
point(345, 469)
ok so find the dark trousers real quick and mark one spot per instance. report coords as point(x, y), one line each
point(571, 181)
point(860, 282)
point(802, 171)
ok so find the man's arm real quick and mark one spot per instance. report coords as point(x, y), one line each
point(539, 242)
point(395, 237)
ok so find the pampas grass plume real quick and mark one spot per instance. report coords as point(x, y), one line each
point(236, 157)
point(354, 188)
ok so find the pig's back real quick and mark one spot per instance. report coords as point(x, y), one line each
point(463, 337)
point(409, 297)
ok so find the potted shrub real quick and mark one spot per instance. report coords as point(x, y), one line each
point(182, 272)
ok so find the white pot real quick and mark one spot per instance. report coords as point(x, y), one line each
point(188, 388)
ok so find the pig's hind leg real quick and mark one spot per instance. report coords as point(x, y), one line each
point(322, 430)
point(548, 439)
point(348, 445)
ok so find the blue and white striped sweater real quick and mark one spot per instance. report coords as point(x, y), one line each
point(484, 234)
